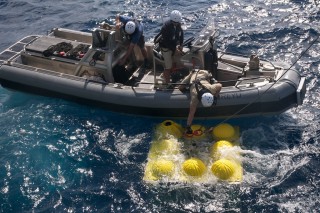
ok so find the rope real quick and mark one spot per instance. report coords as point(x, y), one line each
point(62, 46)
point(233, 115)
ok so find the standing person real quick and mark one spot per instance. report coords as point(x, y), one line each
point(203, 89)
point(134, 33)
point(170, 36)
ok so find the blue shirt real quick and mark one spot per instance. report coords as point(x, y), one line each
point(135, 36)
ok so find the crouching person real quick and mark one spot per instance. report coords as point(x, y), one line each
point(203, 89)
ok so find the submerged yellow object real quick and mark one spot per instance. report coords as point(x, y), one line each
point(168, 129)
point(216, 148)
point(164, 147)
point(161, 168)
point(227, 165)
point(223, 131)
point(194, 167)
point(223, 169)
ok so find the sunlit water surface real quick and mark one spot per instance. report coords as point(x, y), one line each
point(58, 156)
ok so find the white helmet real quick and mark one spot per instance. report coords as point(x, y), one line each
point(207, 99)
point(130, 27)
point(175, 16)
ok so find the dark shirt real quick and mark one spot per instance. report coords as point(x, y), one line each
point(172, 35)
point(136, 35)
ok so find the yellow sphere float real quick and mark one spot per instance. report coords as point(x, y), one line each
point(223, 131)
point(194, 167)
point(162, 167)
point(223, 169)
point(167, 128)
point(215, 153)
point(163, 146)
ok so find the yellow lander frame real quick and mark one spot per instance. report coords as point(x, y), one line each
point(201, 157)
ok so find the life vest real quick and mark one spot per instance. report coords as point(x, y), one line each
point(200, 89)
point(169, 36)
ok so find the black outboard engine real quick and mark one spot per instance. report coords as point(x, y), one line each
point(211, 58)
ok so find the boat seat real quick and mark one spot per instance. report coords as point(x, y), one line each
point(251, 81)
point(72, 35)
point(99, 39)
point(34, 56)
point(228, 73)
point(42, 44)
point(233, 60)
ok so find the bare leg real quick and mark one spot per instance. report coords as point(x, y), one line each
point(167, 56)
point(144, 53)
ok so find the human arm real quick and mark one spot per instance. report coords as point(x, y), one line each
point(128, 53)
point(214, 88)
point(192, 111)
point(193, 108)
point(180, 46)
point(157, 38)
point(121, 20)
point(118, 23)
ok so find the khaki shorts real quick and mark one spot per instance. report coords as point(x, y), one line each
point(168, 58)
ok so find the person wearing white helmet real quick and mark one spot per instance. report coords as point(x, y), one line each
point(130, 27)
point(207, 99)
point(203, 89)
point(170, 36)
point(134, 33)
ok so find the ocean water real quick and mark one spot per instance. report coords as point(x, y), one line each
point(58, 156)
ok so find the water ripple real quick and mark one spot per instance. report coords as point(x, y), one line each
point(58, 156)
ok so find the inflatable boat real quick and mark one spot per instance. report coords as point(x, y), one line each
point(205, 156)
point(83, 67)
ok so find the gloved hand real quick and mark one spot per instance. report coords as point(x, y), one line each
point(189, 130)
point(213, 81)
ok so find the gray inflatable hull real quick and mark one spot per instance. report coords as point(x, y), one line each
point(273, 98)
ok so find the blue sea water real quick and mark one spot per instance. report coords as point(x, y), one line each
point(58, 156)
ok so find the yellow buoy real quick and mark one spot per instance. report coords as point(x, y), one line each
point(223, 169)
point(162, 168)
point(223, 131)
point(169, 128)
point(215, 150)
point(164, 146)
point(194, 167)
